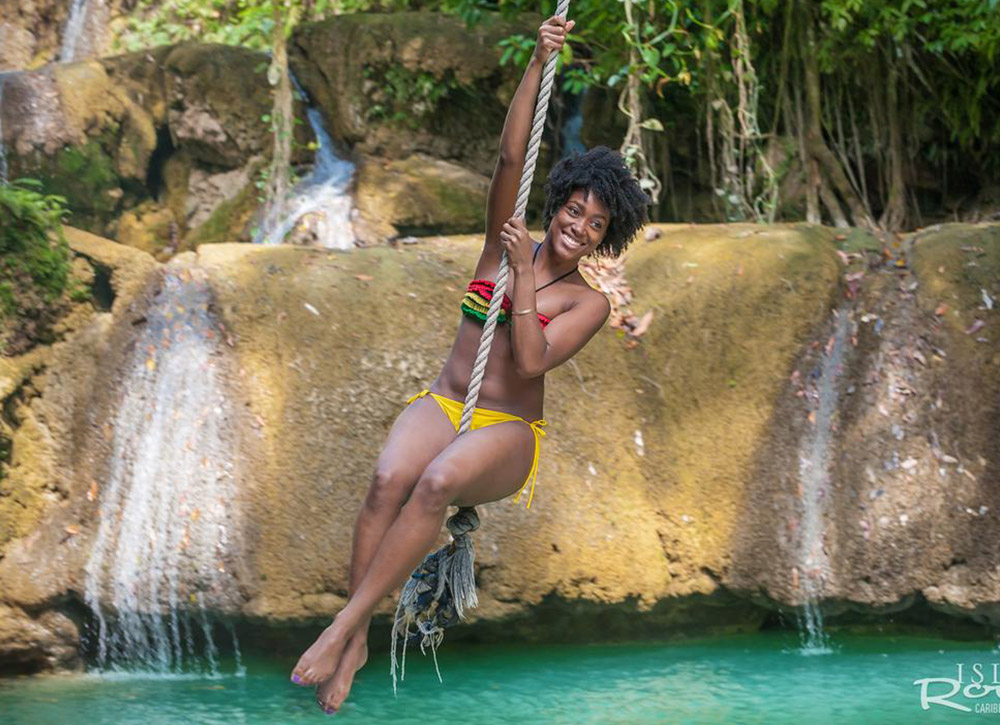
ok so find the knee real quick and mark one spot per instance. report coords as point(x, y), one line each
point(389, 488)
point(437, 488)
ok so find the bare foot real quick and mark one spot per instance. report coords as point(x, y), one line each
point(319, 662)
point(331, 694)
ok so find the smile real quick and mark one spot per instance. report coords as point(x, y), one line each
point(571, 239)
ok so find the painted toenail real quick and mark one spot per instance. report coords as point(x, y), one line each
point(329, 711)
point(296, 679)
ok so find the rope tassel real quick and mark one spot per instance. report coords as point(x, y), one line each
point(438, 593)
point(443, 586)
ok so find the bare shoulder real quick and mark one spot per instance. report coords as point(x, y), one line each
point(594, 301)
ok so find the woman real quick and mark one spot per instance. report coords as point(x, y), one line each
point(594, 206)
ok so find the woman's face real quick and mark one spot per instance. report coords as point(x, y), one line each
point(579, 225)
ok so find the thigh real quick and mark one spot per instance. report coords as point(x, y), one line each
point(421, 431)
point(486, 464)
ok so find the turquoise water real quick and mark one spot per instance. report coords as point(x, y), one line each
point(760, 678)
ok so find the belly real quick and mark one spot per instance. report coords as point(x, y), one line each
point(502, 388)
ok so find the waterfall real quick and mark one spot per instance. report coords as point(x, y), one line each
point(814, 477)
point(320, 200)
point(3, 149)
point(573, 125)
point(73, 30)
point(162, 554)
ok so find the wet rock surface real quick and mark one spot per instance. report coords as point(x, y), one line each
point(669, 497)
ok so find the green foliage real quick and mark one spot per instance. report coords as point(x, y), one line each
point(35, 261)
point(405, 96)
point(233, 22)
point(951, 46)
point(687, 60)
point(668, 41)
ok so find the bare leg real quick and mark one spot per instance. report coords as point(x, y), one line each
point(419, 433)
point(483, 465)
point(369, 529)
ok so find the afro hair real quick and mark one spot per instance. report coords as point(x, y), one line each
point(604, 172)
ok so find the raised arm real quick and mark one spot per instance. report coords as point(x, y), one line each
point(513, 143)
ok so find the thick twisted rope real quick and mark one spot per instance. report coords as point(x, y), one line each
point(444, 585)
point(527, 174)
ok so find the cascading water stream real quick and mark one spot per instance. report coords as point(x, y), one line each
point(813, 564)
point(321, 199)
point(74, 30)
point(3, 149)
point(573, 125)
point(168, 532)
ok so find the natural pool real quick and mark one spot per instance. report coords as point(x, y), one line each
point(759, 678)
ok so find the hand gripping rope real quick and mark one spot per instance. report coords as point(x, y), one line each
point(444, 585)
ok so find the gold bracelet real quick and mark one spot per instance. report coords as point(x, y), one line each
point(524, 312)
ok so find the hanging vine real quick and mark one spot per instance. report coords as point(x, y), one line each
point(634, 147)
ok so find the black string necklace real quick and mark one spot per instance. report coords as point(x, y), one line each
point(556, 279)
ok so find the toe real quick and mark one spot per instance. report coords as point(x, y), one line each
point(339, 694)
point(324, 697)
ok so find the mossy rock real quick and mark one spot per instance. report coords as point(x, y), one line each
point(421, 195)
point(37, 280)
point(229, 222)
point(217, 95)
point(148, 227)
point(392, 84)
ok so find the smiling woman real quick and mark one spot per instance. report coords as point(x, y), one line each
point(594, 206)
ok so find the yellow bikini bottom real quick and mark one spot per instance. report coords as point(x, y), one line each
point(482, 417)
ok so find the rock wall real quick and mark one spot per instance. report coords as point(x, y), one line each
point(32, 32)
point(157, 134)
point(444, 79)
point(669, 490)
point(55, 402)
point(420, 100)
point(155, 150)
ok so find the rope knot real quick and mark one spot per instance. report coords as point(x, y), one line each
point(463, 521)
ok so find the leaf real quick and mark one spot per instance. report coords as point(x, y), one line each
point(653, 124)
point(975, 327)
point(364, 277)
point(643, 324)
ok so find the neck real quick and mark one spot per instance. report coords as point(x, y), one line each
point(555, 267)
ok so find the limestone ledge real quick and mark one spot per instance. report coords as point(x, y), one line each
point(667, 491)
